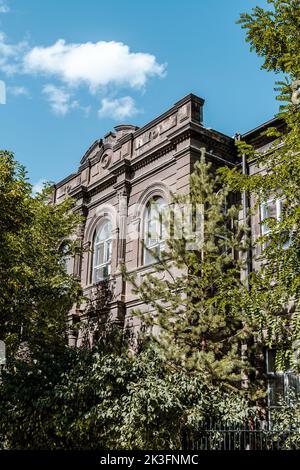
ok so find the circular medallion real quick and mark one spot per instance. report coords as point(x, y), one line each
point(105, 160)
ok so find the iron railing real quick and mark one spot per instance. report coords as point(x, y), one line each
point(255, 434)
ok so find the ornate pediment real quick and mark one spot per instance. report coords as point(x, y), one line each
point(96, 150)
point(92, 151)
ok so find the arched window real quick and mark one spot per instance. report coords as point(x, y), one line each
point(102, 252)
point(154, 229)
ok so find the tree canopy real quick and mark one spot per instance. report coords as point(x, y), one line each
point(275, 35)
point(36, 293)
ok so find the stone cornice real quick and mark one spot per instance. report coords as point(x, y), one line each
point(219, 144)
point(216, 135)
point(166, 114)
point(154, 153)
point(120, 167)
point(101, 185)
point(84, 165)
point(124, 185)
point(109, 134)
point(79, 191)
point(213, 140)
point(66, 180)
point(125, 138)
point(101, 145)
point(101, 200)
point(153, 170)
point(133, 304)
point(187, 98)
point(255, 138)
point(154, 122)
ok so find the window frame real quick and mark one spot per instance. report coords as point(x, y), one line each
point(160, 240)
point(107, 253)
point(264, 230)
point(285, 378)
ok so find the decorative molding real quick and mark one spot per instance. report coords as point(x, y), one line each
point(101, 185)
point(154, 169)
point(155, 189)
point(101, 200)
point(105, 160)
point(98, 143)
point(104, 213)
point(66, 180)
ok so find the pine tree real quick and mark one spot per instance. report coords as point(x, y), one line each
point(197, 307)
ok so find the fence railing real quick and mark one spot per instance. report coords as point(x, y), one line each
point(252, 435)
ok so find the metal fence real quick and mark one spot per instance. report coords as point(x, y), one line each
point(252, 435)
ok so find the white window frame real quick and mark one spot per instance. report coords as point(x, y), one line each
point(107, 253)
point(264, 229)
point(263, 209)
point(158, 243)
point(286, 378)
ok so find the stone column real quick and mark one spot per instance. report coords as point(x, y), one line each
point(80, 238)
point(123, 195)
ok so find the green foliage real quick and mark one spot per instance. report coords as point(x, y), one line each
point(35, 291)
point(275, 289)
point(285, 422)
point(275, 35)
point(53, 397)
point(83, 399)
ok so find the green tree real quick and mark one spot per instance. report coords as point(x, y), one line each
point(103, 399)
point(197, 307)
point(35, 291)
point(275, 36)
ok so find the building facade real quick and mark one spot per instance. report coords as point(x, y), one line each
point(120, 176)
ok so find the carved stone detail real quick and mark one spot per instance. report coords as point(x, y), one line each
point(160, 129)
point(105, 160)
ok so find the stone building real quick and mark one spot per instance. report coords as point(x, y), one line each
point(119, 176)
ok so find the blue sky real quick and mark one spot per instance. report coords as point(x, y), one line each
point(74, 69)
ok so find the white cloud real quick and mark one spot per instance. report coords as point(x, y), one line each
point(94, 64)
point(118, 108)
point(59, 99)
point(100, 66)
point(4, 8)
point(38, 186)
point(10, 55)
point(18, 90)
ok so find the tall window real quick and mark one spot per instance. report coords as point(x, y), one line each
point(271, 208)
point(268, 209)
point(280, 383)
point(102, 252)
point(154, 230)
